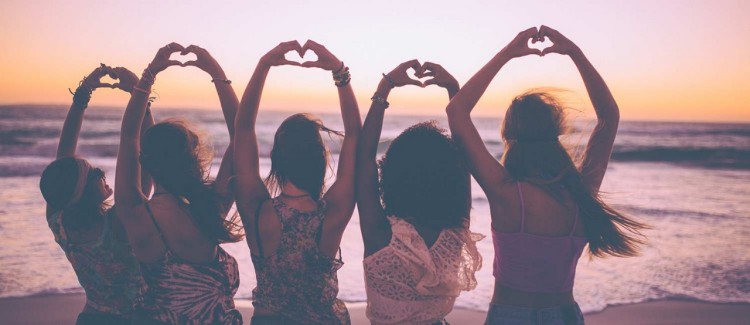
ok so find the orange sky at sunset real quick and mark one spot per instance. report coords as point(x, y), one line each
point(663, 60)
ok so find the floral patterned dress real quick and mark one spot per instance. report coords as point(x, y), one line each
point(182, 292)
point(106, 268)
point(299, 282)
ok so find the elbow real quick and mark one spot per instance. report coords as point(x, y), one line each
point(453, 111)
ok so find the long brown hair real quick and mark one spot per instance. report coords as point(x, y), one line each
point(534, 154)
point(178, 160)
point(299, 155)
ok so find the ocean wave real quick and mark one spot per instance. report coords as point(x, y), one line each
point(43, 292)
point(704, 157)
point(650, 212)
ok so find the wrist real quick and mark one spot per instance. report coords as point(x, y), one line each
point(384, 88)
point(576, 54)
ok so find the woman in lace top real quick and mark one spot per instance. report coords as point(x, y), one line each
point(295, 237)
point(419, 252)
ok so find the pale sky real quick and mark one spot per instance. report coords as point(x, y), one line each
point(663, 60)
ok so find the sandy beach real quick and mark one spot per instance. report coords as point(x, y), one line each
point(63, 309)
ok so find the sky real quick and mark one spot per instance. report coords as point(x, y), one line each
point(663, 60)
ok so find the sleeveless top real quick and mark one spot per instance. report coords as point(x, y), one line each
point(298, 282)
point(534, 263)
point(106, 268)
point(183, 292)
point(408, 283)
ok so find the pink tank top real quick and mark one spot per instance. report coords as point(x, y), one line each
point(534, 263)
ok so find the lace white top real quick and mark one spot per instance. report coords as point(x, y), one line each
point(408, 283)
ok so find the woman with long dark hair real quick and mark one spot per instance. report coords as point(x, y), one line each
point(293, 225)
point(176, 233)
point(419, 252)
point(544, 208)
point(82, 220)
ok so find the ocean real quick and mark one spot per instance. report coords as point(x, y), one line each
point(689, 181)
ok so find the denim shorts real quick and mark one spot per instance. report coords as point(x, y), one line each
point(562, 315)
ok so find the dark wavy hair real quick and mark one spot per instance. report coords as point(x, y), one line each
point(57, 184)
point(178, 160)
point(534, 154)
point(425, 180)
point(299, 155)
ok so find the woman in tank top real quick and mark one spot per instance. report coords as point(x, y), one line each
point(419, 252)
point(176, 233)
point(294, 237)
point(82, 221)
point(544, 208)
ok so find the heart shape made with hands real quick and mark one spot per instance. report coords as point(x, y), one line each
point(306, 55)
point(540, 44)
point(418, 74)
point(182, 58)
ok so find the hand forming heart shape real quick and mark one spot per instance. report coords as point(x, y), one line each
point(302, 57)
point(184, 57)
point(401, 75)
point(558, 43)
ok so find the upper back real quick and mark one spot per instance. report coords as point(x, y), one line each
point(536, 245)
point(173, 230)
point(523, 204)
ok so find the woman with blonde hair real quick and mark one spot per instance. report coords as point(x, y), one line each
point(544, 208)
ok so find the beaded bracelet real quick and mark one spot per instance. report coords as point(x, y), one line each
point(380, 100)
point(148, 77)
point(226, 81)
point(339, 69)
point(342, 77)
point(82, 95)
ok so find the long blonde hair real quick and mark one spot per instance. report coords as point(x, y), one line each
point(534, 154)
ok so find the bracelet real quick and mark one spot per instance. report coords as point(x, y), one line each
point(148, 77)
point(342, 77)
point(339, 69)
point(141, 90)
point(226, 81)
point(343, 83)
point(380, 100)
point(390, 81)
point(82, 95)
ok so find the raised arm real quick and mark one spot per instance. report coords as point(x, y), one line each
point(484, 167)
point(126, 82)
point(128, 190)
point(341, 196)
point(601, 142)
point(229, 106)
point(251, 191)
point(72, 125)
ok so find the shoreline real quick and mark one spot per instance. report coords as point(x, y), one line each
point(64, 308)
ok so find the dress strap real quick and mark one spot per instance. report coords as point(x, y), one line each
point(257, 228)
point(523, 206)
point(156, 224)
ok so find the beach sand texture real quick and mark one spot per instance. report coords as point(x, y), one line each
point(63, 309)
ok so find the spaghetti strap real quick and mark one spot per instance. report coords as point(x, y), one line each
point(257, 230)
point(523, 206)
point(156, 224)
point(575, 222)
